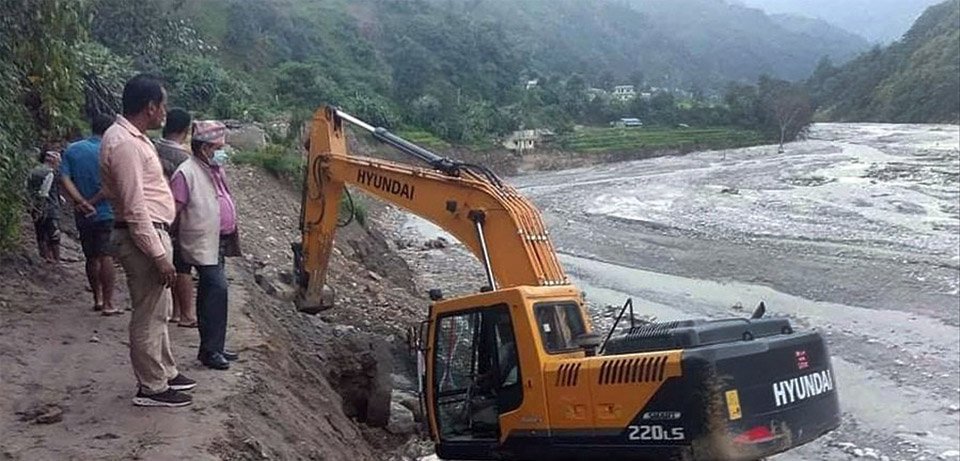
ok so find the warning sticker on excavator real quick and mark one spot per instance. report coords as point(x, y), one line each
point(733, 405)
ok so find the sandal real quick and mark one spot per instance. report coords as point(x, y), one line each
point(97, 307)
point(174, 320)
point(111, 312)
point(192, 324)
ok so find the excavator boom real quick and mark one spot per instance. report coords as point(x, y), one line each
point(467, 201)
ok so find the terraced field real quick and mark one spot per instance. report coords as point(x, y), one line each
point(625, 139)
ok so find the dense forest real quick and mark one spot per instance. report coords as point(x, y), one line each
point(916, 79)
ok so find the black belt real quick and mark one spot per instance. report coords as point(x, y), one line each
point(158, 225)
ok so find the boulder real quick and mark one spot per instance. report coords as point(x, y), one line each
point(247, 137)
point(409, 401)
point(361, 371)
point(401, 420)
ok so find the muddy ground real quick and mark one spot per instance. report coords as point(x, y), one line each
point(302, 389)
point(854, 232)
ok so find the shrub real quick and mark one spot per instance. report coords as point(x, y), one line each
point(282, 161)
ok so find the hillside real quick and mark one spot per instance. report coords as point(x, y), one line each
point(458, 68)
point(825, 33)
point(731, 42)
point(879, 21)
point(914, 80)
point(684, 43)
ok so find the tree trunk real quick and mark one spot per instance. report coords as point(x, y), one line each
point(783, 134)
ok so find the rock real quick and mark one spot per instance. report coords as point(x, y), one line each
point(247, 137)
point(361, 369)
point(255, 446)
point(858, 452)
point(409, 401)
point(274, 287)
point(401, 420)
point(52, 414)
point(949, 454)
point(953, 408)
point(373, 275)
point(730, 190)
point(402, 382)
point(436, 244)
point(94, 339)
point(286, 277)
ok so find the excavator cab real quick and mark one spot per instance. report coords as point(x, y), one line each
point(484, 357)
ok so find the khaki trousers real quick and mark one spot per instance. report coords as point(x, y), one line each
point(150, 352)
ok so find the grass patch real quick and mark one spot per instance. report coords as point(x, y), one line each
point(597, 140)
point(423, 138)
point(280, 160)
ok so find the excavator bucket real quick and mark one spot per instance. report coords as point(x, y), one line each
point(312, 298)
point(314, 303)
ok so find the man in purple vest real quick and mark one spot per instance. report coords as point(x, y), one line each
point(207, 228)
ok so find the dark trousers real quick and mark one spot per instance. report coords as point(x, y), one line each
point(212, 308)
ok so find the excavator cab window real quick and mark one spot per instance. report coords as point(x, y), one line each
point(560, 325)
point(477, 373)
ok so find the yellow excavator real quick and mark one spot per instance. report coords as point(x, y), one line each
point(515, 372)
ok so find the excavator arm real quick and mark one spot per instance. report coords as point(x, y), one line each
point(499, 226)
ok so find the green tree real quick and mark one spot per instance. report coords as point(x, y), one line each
point(301, 85)
point(786, 108)
point(201, 84)
point(149, 31)
point(40, 90)
point(663, 108)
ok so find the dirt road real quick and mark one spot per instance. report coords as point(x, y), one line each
point(855, 233)
point(66, 381)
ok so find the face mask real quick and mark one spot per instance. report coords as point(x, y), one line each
point(220, 157)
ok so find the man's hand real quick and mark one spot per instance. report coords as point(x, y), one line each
point(168, 274)
point(86, 208)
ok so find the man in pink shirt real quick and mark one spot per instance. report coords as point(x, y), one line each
point(207, 231)
point(143, 207)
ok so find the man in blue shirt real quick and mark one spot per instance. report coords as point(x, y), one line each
point(80, 174)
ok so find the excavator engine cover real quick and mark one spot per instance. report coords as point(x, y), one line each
point(748, 389)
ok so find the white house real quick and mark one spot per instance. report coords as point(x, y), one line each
point(624, 92)
point(627, 122)
point(524, 140)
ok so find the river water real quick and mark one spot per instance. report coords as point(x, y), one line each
point(854, 232)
